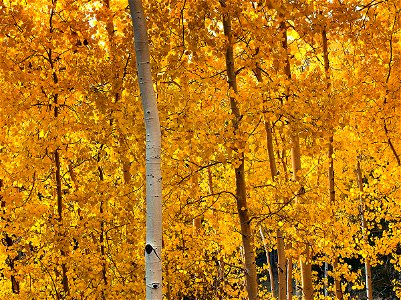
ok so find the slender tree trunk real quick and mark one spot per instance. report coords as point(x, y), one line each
point(306, 272)
point(305, 263)
point(331, 172)
point(153, 248)
point(60, 227)
point(281, 267)
point(385, 123)
point(102, 235)
point(306, 266)
point(66, 287)
point(242, 208)
point(269, 264)
point(61, 232)
point(102, 247)
point(368, 271)
point(289, 278)
point(270, 150)
point(326, 285)
point(337, 281)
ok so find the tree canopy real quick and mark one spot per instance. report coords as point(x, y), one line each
point(299, 158)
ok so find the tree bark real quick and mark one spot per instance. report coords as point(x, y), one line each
point(102, 233)
point(281, 266)
point(337, 282)
point(153, 249)
point(326, 285)
point(242, 208)
point(289, 278)
point(269, 265)
point(368, 271)
point(63, 253)
point(66, 287)
point(332, 193)
point(306, 266)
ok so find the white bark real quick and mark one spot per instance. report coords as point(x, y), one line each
point(153, 149)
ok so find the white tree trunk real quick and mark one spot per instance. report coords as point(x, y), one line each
point(153, 148)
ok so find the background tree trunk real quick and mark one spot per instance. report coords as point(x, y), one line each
point(242, 208)
point(306, 266)
point(269, 265)
point(281, 266)
point(337, 281)
point(289, 278)
point(368, 271)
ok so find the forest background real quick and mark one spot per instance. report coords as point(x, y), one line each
point(280, 125)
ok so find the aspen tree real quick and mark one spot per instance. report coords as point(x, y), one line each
point(242, 208)
point(289, 278)
point(368, 268)
point(306, 266)
point(59, 196)
point(337, 281)
point(153, 249)
point(269, 264)
point(102, 234)
point(281, 266)
point(392, 57)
